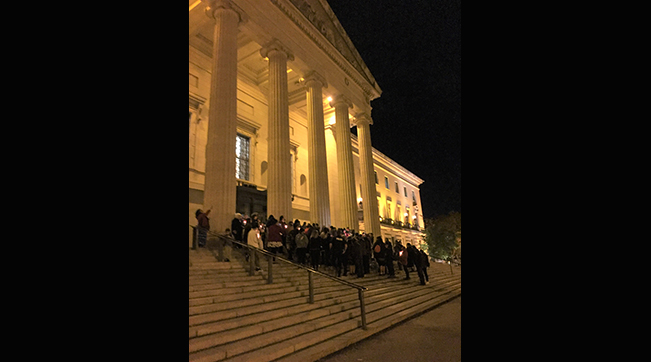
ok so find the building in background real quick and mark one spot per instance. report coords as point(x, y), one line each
point(274, 90)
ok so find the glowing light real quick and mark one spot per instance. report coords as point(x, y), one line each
point(406, 214)
point(195, 4)
point(333, 120)
point(329, 99)
point(359, 199)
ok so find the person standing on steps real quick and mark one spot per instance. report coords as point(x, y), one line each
point(337, 249)
point(274, 236)
point(203, 226)
point(254, 240)
point(314, 248)
point(302, 241)
point(378, 254)
point(388, 257)
point(425, 264)
point(415, 259)
point(237, 229)
point(404, 259)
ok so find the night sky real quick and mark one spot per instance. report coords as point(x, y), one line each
point(413, 49)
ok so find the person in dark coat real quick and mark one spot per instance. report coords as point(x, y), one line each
point(203, 226)
point(388, 257)
point(338, 248)
point(425, 264)
point(415, 259)
point(365, 244)
point(378, 254)
point(314, 248)
point(237, 229)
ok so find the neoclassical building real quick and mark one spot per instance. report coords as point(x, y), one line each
point(275, 87)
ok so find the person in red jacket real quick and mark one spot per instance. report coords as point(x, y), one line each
point(275, 233)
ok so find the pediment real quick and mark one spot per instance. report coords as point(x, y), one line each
point(319, 13)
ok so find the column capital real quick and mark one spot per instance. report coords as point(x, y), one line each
point(313, 76)
point(362, 119)
point(276, 45)
point(212, 6)
point(341, 99)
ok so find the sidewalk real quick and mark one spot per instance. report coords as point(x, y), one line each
point(434, 336)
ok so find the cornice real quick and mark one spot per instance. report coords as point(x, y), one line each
point(293, 12)
point(383, 161)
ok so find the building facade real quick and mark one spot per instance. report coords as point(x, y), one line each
point(275, 87)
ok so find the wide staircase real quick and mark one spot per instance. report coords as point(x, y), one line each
point(237, 317)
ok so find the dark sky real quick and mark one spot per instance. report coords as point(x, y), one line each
point(413, 49)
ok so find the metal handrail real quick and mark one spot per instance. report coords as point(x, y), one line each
point(270, 258)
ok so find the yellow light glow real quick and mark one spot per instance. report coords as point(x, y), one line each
point(329, 99)
point(288, 70)
point(406, 214)
point(333, 120)
point(359, 199)
point(194, 5)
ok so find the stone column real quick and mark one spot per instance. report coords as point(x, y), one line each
point(366, 170)
point(348, 202)
point(220, 184)
point(317, 162)
point(279, 185)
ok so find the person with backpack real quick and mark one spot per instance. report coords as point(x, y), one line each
point(301, 240)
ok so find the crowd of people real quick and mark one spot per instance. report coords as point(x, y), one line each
point(340, 251)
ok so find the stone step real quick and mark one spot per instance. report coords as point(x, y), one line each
point(338, 313)
point(309, 332)
point(237, 317)
point(332, 345)
point(320, 287)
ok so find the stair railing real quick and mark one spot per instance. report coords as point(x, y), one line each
point(270, 258)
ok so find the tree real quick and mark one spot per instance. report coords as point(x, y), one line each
point(441, 235)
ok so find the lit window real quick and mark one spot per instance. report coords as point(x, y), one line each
point(242, 157)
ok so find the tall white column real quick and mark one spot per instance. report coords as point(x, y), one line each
point(317, 162)
point(279, 185)
point(220, 184)
point(348, 202)
point(366, 170)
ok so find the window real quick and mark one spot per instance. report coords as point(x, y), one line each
point(242, 157)
point(386, 182)
point(376, 181)
point(413, 196)
point(397, 189)
point(405, 192)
